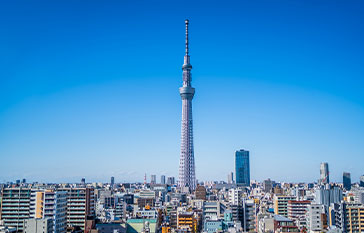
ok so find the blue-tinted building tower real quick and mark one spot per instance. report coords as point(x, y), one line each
point(242, 168)
point(347, 180)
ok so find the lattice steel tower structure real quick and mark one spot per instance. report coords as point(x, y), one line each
point(186, 176)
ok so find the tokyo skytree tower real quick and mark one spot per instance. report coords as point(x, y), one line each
point(186, 176)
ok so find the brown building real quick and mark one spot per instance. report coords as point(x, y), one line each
point(143, 202)
point(278, 190)
point(200, 193)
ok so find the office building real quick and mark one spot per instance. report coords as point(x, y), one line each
point(163, 179)
point(112, 181)
point(186, 176)
point(324, 174)
point(242, 168)
point(153, 179)
point(170, 180)
point(346, 181)
point(361, 181)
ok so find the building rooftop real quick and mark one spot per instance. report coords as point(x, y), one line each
point(281, 218)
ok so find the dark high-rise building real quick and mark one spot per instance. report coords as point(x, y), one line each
point(128, 198)
point(242, 168)
point(346, 180)
point(83, 181)
point(361, 182)
point(112, 181)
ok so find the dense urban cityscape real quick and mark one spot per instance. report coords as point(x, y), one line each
point(181, 116)
point(237, 204)
point(159, 205)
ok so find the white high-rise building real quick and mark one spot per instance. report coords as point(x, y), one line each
point(48, 204)
point(315, 216)
point(324, 173)
point(15, 207)
point(235, 196)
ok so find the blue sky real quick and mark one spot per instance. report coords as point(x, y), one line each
point(90, 88)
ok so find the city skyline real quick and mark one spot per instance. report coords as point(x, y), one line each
point(284, 81)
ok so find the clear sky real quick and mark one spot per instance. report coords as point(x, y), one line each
point(90, 88)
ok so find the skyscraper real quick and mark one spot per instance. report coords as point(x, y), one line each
point(163, 179)
point(242, 168)
point(347, 180)
point(112, 181)
point(231, 178)
point(153, 179)
point(361, 181)
point(186, 176)
point(324, 173)
point(170, 180)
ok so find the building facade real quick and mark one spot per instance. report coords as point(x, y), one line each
point(15, 207)
point(36, 225)
point(324, 173)
point(346, 181)
point(49, 204)
point(242, 168)
point(281, 204)
point(80, 206)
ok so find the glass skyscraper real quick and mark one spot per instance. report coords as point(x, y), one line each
point(242, 168)
point(347, 180)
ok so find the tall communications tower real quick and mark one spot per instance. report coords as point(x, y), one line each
point(186, 176)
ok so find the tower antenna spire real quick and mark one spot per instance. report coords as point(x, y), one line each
point(186, 177)
point(186, 22)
